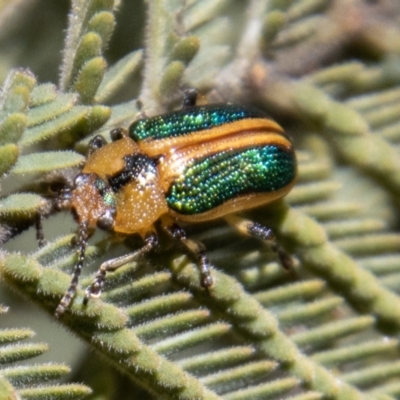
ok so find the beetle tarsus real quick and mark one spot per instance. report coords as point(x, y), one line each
point(70, 293)
point(205, 274)
point(265, 234)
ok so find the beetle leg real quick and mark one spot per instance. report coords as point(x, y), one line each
point(258, 231)
point(142, 113)
point(94, 290)
point(189, 98)
point(118, 133)
point(39, 229)
point(197, 249)
point(96, 143)
point(69, 294)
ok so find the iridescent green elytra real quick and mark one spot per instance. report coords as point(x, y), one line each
point(212, 180)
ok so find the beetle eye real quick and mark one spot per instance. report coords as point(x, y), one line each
point(106, 220)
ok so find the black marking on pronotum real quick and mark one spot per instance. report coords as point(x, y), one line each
point(134, 166)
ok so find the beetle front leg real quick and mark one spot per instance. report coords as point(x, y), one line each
point(258, 231)
point(96, 143)
point(82, 238)
point(96, 287)
point(197, 249)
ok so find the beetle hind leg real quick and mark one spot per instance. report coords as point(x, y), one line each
point(258, 231)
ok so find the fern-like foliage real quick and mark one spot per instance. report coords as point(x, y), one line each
point(31, 381)
point(328, 71)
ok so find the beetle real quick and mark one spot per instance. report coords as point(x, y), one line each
point(196, 164)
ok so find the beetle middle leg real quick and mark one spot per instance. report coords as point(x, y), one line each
point(194, 247)
point(96, 287)
point(258, 231)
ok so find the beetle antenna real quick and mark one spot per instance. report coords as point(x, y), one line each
point(70, 293)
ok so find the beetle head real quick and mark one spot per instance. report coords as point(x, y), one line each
point(91, 201)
